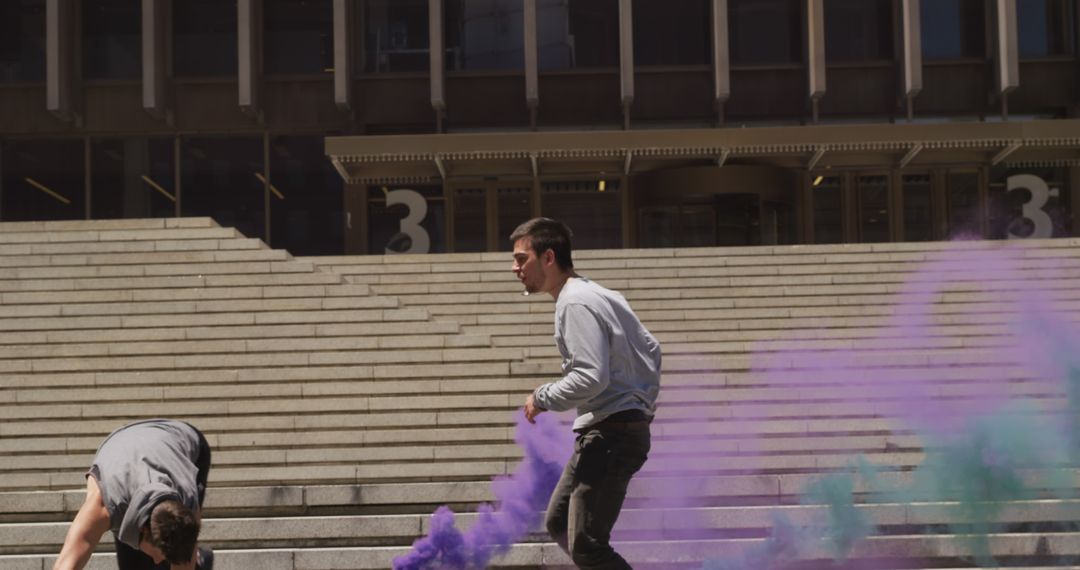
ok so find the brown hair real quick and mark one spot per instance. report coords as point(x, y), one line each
point(174, 530)
point(545, 234)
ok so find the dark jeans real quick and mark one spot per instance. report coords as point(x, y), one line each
point(587, 500)
point(128, 558)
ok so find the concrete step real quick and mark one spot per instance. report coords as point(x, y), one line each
point(174, 281)
point(98, 225)
point(94, 235)
point(231, 243)
point(39, 262)
point(102, 296)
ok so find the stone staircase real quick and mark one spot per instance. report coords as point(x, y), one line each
point(347, 397)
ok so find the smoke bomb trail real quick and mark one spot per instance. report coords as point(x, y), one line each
point(520, 498)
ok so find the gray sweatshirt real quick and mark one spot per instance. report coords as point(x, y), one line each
point(142, 464)
point(611, 363)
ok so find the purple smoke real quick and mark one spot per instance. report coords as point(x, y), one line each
point(520, 500)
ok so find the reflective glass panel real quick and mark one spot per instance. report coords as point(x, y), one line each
point(484, 34)
point(671, 33)
point(395, 35)
point(132, 178)
point(594, 215)
point(204, 38)
point(221, 177)
point(299, 36)
point(112, 45)
point(43, 180)
point(22, 40)
point(307, 202)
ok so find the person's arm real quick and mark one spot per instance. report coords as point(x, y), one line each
point(86, 530)
point(586, 341)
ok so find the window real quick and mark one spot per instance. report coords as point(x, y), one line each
point(873, 196)
point(778, 20)
point(828, 209)
point(962, 203)
point(591, 209)
point(671, 33)
point(484, 34)
point(299, 36)
point(391, 228)
point(43, 180)
point(132, 178)
point(858, 30)
point(515, 207)
point(577, 33)
point(22, 40)
point(1045, 27)
point(953, 29)
point(470, 219)
point(204, 38)
point(307, 201)
point(222, 178)
point(918, 208)
point(395, 36)
point(112, 47)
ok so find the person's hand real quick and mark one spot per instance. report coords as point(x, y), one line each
point(531, 409)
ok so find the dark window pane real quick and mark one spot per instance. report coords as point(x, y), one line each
point(307, 202)
point(22, 40)
point(778, 20)
point(577, 33)
point(204, 38)
point(953, 29)
point(858, 30)
point(484, 34)
point(299, 36)
point(962, 203)
point(395, 35)
point(918, 208)
point(1045, 27)
point(671, 33)
point(132, 178)
point(657, 226)
point(515, 206)
point(594, 215)
point(43, 180)
point(408, 219)
point(873, 196)
point(828, 210)
point(112, 46)
point(470, 219)
point(221, 179)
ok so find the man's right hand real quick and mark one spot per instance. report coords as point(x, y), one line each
point(532, 410)
point(86, 530)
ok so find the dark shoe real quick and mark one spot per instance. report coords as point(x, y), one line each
point(205, 561)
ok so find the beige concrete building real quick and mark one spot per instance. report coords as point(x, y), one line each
point(365, 126)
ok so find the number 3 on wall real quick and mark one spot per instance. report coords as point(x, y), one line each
point(1032, 209)
point(419, 241)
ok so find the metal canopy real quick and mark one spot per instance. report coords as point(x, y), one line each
point(461, 156)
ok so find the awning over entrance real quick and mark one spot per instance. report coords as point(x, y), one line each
point(428, 158)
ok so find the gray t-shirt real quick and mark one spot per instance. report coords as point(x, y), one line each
point(611, 363)
point(142, 464)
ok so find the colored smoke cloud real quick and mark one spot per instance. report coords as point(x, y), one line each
point(988, 380)
point(520, 499)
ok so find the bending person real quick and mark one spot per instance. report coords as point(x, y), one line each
point(147, 484)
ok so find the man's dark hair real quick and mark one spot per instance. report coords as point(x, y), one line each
point(545, 234)
point(174, 530)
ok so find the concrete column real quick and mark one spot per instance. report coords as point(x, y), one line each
point(912, 53)
point(249, 53)
point(155, 60)
point(1008, 58)
point(721, 58)
point(532, 80)
point(815, 11)
point(626, 58)
point(437, 50)
point(343, 53)
point(60, 64)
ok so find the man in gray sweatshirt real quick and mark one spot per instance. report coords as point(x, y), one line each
point(611, 375)
point(147, 484)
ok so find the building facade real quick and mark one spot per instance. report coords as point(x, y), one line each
point(371, 126)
